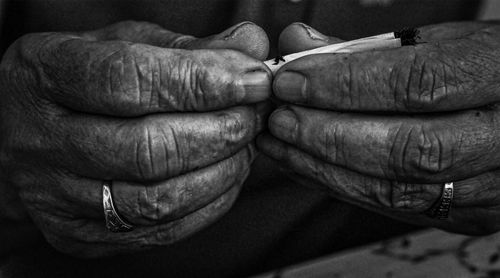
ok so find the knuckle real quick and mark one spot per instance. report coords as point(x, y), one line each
point(206, 79)
point(417, 148)
point(127, 75)
point(396, 195)
point(425, 84)
point(347, 82)
point(408, 197)
point(151, 152)
point(201, 83)
point(186, 90)
point(154, 206)
point(331, 143)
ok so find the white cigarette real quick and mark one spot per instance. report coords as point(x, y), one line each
point(366, 44)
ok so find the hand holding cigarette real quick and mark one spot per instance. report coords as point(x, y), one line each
point(386, 130)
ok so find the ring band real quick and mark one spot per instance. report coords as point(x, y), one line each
point(113, 221)
point(441, 209)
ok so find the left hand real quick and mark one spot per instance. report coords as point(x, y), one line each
point(385, 129)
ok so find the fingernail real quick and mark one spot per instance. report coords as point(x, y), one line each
point(283, 124)
point(314, 34)
point(291, 86)
point(233, 31)
point(257, 86)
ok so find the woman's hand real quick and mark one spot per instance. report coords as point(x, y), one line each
point(167, 117)
point(386, 129)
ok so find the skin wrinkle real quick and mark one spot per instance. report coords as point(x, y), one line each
point(136, 78)
point(409, 77)
point(433, 88)
point(177, 148)
point(148, 77)
point(391, 197)
point(168, 87)
point(341, 146)
point(166, 148)
point(144, 79)
point(138, 159)
point(350, 91)
point(392, 84)
point(203, 78)
point(445, 83)
point(424, 145)
point(423, 71)
point(156, 204)
point(149, 152)
point(192, 89)
point(425, 151)
point(441, 150)
point(331, 143)
point(404, 152)
point(392, 152)
point(404, 196)
point(188, 86)
point(163, 95)
point(175, 201)
point(395, 90)
point(117, 76)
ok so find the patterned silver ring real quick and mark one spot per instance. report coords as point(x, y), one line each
point(113, 221)
point(441, 209)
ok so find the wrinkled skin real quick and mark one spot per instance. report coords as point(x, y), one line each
point(385, 129)
point(169, 118)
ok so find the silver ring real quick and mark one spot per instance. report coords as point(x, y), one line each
point(441, 209)
point(113, 221)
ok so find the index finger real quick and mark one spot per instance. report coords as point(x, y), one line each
point(121, 78)
point(437, 76)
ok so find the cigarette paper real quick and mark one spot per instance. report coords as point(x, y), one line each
point(345, 47)
point(405, 36)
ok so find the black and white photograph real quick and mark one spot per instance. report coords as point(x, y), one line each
point(250, 138)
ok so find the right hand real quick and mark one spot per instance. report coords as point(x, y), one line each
point(171, 126)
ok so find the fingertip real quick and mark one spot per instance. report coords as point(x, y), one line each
point(246, 37)
point(283, 123)
point(298, 37)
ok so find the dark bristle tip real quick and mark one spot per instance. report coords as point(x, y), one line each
point(408, 36)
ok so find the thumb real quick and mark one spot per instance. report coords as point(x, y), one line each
point(298, 37)
point(245, 37)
